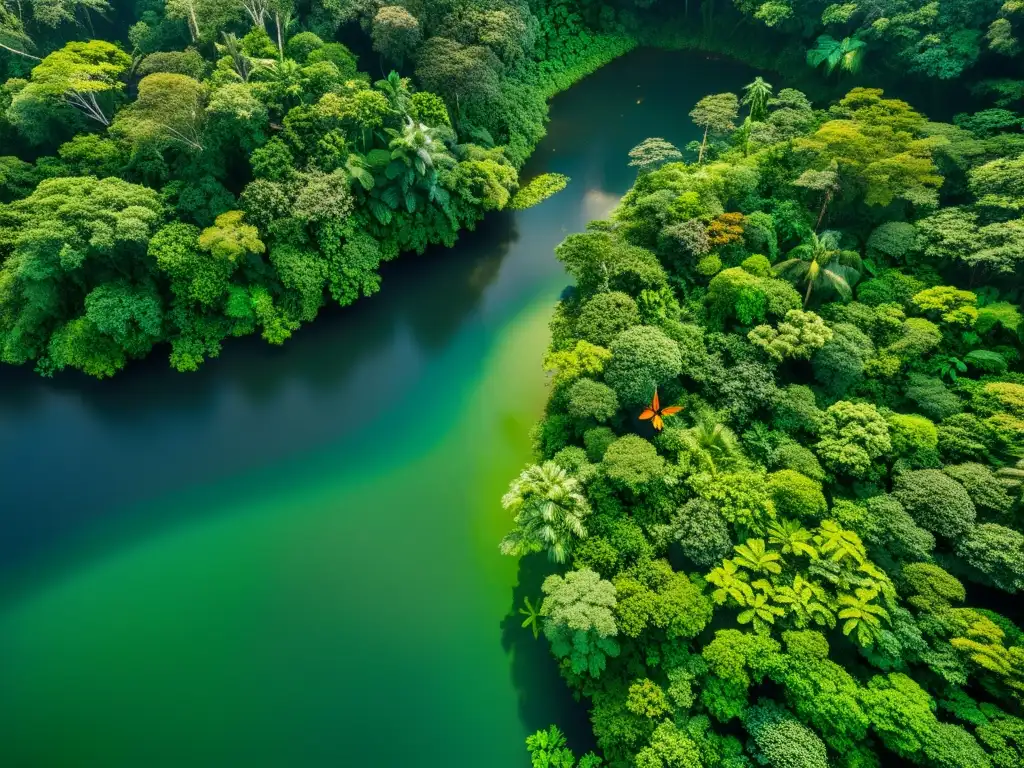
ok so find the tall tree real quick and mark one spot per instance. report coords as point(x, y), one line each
point(715, 114)
point(756, 96)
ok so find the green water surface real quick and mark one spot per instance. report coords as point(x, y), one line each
point(290, 558)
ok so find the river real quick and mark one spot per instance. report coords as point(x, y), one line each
point(290, 558)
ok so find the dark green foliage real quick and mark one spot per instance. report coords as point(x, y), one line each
point(702, 533)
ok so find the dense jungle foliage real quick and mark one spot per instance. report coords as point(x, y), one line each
point(778, 472)
point(176, 172)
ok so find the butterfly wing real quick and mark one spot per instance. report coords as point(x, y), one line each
point(657, 422)
point(655, 405)
point(671, 409)
point(647, 414)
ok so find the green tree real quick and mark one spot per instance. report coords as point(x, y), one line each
point(549, 512)
point(715, 114)
point(756, 96)
point(643, 358)
point(852, 437)
point(80, 75)
point(170, 110)
point(936, 502)
point(800, 335)
point(395, 32)
point(820, 264)
point(651, 154)
point(580, 620)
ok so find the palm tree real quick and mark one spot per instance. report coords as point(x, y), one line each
point(241, 64)
point(756, 95)
point(712, 444)
point(731, 582)
point(792, 538)
point(414, 156)
point(820, 264)
point(285, 81)
point(532, 612)
point(860, 614)
point(838, 543)
point(760, 611)
point(804, 600)
point(549, 512)
point(846, 55)
point(396, 89)
point(756, 558)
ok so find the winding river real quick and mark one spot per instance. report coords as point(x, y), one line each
point(290, 558)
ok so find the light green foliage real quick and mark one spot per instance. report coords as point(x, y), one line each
point(950, 304)
point(742, 498)
point(538, 190)
point(914, 438)
point(585, 359)
point(579, 620)
point(69, 234)
point(549, 512)
point(852, 437)
point(633, 463)
point(605, 315)
point(647, 699)
point(169, 111)
point(669, 748)
point(715, 114)
point(795, 495)
point(79, 76)
point(651, 154)
point(643, 358)
point(782, 741)
point(651, 597)
point(798, 336)
point(589, 399)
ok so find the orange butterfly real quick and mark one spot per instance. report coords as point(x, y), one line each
point(655, 412)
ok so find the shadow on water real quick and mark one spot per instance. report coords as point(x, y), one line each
point(543, 697)
point(96, 448)
point(411, 287)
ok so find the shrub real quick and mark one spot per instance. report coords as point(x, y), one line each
point(589, 399)
point(632, 463)
point(606, 315)
point(936, 502)
point(796, 496)
point(853, 436)
point(642, 359)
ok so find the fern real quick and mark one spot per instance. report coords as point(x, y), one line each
point(986, 360)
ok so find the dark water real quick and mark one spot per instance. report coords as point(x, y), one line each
point(290, 558)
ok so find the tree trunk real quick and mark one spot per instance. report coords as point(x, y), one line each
point(280, 42)
point(703, 143)
point(807, 296)
point(193, 23)
point(824, 206)
point(20, 53)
